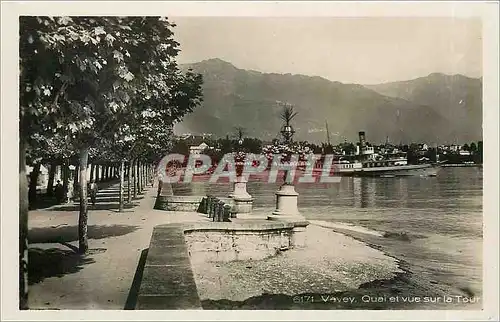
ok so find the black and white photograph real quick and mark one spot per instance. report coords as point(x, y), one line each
point(229, 160)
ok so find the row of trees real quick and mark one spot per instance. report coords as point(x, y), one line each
point(105, 89)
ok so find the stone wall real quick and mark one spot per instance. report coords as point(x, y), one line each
point(238, 242)
point(181, 203)
point(178, 203)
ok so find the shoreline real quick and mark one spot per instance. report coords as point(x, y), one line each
point(407, 289)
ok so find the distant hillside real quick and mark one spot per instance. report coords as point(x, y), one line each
point(236, 97)
point(456, 98)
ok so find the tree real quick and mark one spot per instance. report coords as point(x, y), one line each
point(349, 148)
point(46, 148)
point(106, 62)
point(80, 75)
point(252, 145)
point(39, 94)
point(479, 152)
point(240, 133)
point(473, 147)
point(288, 114)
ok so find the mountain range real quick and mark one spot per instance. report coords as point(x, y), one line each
point(437, 108)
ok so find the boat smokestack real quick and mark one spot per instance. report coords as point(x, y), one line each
point(362, 139)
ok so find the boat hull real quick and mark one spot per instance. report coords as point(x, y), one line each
point(427, 170)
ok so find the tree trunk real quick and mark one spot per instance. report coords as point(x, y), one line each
point(65, 176)
point(139, 177)
point(97, 178)
point(151, 172)
point(134, 174)
point(122, 177)
point(23, 227)
point(141, 168)
point(142, 177)
point(97, 173)
point(129, 196)
point(75, 179)
point(52, 175)
point(32, 185)
point(103, 172)
point(83, 243)
point(145, 178)
point(92, 171)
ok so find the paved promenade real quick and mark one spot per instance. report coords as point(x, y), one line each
point(103, 279)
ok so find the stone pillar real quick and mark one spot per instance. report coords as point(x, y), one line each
point(287, 210)
point(242, 200)
point(286, 201)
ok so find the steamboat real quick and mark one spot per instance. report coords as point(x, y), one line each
point(366, 162)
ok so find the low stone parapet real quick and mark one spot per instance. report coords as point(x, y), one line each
point(231, 241)
point(178, 203)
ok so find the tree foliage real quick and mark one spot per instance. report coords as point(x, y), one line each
point(87, 76)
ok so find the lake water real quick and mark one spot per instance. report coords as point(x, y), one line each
point(442, 215)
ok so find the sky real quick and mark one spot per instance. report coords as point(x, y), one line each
point(368, 50)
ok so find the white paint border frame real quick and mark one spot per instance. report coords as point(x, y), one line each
point(488, 11)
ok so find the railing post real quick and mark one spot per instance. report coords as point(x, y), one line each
point(220, 212)
point(210, 206)
point(227, 213)
point(203, 206)
point(215, 209)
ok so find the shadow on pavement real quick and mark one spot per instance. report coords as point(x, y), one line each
point(43, 201)
point(136, 283)
point(54, 262)
point(98, 206)
point(66, 234)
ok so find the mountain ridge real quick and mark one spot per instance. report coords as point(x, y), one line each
point(238, 97)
